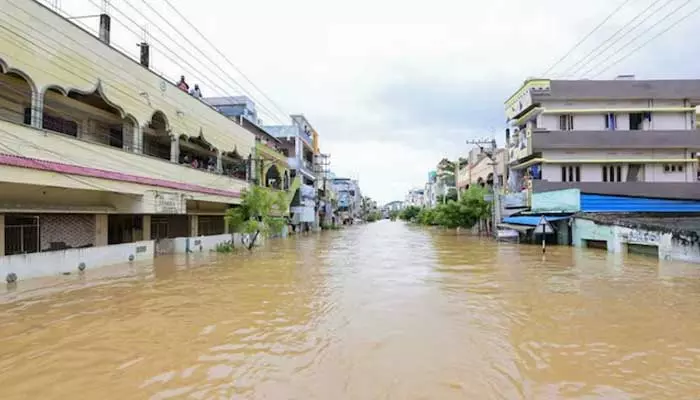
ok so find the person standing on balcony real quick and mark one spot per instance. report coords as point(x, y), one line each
point(182, 85)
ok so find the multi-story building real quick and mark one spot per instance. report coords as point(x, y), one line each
point(269, 164)
point(485, 166)
point(415, 197)
point(349, 199)
point(430, 193)
point(297, 144)
point(615, 137)
point(101, 159)
point(591, 148)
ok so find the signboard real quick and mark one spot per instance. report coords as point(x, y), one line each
point(168, 203)
point(544, 226)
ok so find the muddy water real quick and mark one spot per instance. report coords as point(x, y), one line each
point(381, 311)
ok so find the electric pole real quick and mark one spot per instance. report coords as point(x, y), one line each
point(490, 153)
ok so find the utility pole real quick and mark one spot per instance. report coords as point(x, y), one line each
point(491, 155)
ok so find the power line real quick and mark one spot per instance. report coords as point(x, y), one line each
point(93, 69)
point(195, 47)
point(619, 60)
point(580, 42)
point(224, 57)
point(634, 39)
point(613, 39)
point(236, 86)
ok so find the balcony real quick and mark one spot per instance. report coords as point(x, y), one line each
point(639, 139)
point(55, 54)
point(303, 166)
point(266, 151)
point(666, 190)
point(519, 145)
point(39, 157)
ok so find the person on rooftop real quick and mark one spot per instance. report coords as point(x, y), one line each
point(196, 92)
point(182, 85)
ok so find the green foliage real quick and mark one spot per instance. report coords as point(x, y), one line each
point(256, 212)
point(373, 216)
point(427, 216)
point(464, 213)
point(451, 195)
point(409, 213)
point(394, 214)
point(330, 227)
point(226, 247)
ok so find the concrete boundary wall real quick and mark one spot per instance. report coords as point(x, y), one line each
point(620, 238)
point(50, 263)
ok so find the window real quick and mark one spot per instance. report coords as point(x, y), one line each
point(571, 173)
point(670, 168)
point(61, 125)
point(610, 121)
point(636, 121)
point(612, 173)
point(635, 173)
point(566, 122)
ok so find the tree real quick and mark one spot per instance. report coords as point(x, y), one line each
point(464, 213)
point(409, 213)
point(255, 215)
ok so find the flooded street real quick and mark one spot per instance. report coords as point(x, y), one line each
point(379, 311)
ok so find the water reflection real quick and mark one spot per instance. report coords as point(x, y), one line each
point(383, 310)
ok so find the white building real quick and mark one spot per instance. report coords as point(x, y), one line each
point(415, 197)
point(623, 136)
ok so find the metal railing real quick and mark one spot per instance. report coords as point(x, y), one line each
point(22, 239)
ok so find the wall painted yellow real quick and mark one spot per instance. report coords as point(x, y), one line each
point(52, 52)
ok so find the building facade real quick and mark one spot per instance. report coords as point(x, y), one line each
point(415, 197)
point(349, 203)
point(297, 143)
point(609, 164)
point(103, 161)
point(623, 136)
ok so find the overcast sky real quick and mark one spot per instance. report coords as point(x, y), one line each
point(392, 86)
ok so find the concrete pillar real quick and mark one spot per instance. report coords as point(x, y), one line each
point(2, 235)
point(175, 149)
point(146, 228)
point(101, 231)
point(137, 139)
point(37, 109)
point(219, 162)
point(227, 229)
point(194, 225)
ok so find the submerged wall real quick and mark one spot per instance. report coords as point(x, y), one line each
point(621, 239)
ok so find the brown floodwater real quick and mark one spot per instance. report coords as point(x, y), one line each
point(379, 311)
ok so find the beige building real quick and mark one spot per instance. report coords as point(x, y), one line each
point(101, 159)
point(481, 169)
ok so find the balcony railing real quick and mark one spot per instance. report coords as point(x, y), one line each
point(267, 151)
point(42, 150)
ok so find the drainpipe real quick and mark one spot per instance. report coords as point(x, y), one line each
point(105, 27)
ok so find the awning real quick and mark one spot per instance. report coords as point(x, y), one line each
point(531, 220)
point(519, 228)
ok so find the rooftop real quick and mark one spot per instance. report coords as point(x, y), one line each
point(621, 89)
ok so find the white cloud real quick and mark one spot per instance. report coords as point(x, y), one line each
point(383, 81)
